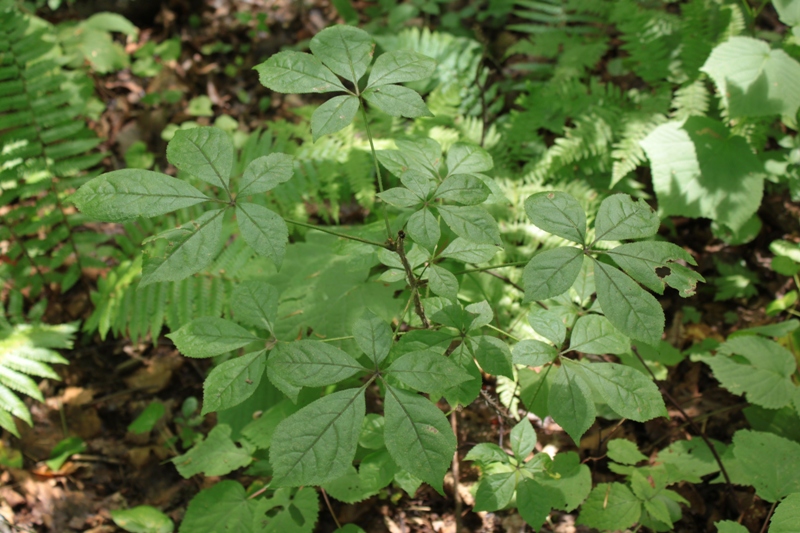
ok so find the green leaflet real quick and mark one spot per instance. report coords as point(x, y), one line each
point(397, 101)
point(255, 303)
point(465, 392)
point(631, 309)
point(265, 173)
point(768, 462)
point(558, 213)
point(423, 228)
point(610, 506)
point(373, 336)
point(419, 182)
point(625, 452)
point(492, 354)
point(345, 50)
point(418, 436)
point(523, 439)
point(296, 72)
point(206, 153)
point(463, 250)
point(142, 519)
point(129, 193)
point(570, 402)
point(533, 353)
point(443, 282)
point(317, 443)
point(374, 473)
point(551, 272)
point(334, 115)
point(535, 501)
point(487, 453)
point(421, 153)
point(594, 334)
point(225, 504)
point(729, 526)
point(290, 510)
point(471, 223)
point(464, 189)
point(495, 491)
point(754, 79)
point(264, 230)
point(233, 381)
point(787, 515)
point(190, 249)
point(465, 158)
point(641, 259)
point(427, 371)
point(621, 217)
point(209, 336)
point(312, 363)
point(400, 197)
point(548, 324)
point(217, 455)
point(400, 66)
point(627, 391)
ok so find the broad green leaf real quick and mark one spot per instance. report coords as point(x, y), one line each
point(533, 353)
point(261, 430)
point(570, 480)
point(408, 482)
point(463, 250)
point(111, 22)
point(317, 443)
point(551, 272)
point(467, 158)
point(594, 334)
point(640, 260)
point(297, 72)
point(423, 228)
point(535, 501)
point(471, 223)
point(265, 173)
point(484, 313)
point(224, 508)
point(374, 473)
point(397, 101)
point(255, 303)
point(290, 510)
point(492, 354)
point(443, 283)
point(427, 371)
point(788, 13)
point(625, 452)
point(147, 419)
point(770, 463)
point(142, 519)
point(234, 381)
point(334, 115)
point(495, 491)
point(264, 230)
point(400, 66)
point(418, 436)
point(766, 380)
point(209, 336)
point(371, 436)
point(691, 459)
point(454, 316)
point(558, 213)
point(523, 439)
point(466, 392)
point(729, 526)
point(627, 391)
point(346, 50)
point(621, 217)
point(548, 324)
point(205, 153)
point(374, 336)
point(631, 309)
point(786, 516)
point(419, 182)
point(312, 363)
point(463, 189)
point(129, 193)
point(400, 197)
point(421, 153)
point(487, 453)
point(753, 78)
point(190, 248)
point(62, 451)
point(570, 402)
point(701, 170)
point(610, 506)
point(217, 455)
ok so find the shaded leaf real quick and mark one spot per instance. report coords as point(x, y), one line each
point(570, 402)
point(312, 363)
point(627, 391)
point(217, 455)
point(471, 223)
point(264, 230)
point(594, 334)
point(209, 336)
point(621, 217)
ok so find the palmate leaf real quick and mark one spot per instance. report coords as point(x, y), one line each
point(309, 363)
point(631, 309)
point(420, 182)
point(374, 337)
point(345, 50)
point(317, 443)
point(400, 66)
point(205, 152)
point(265, 173)
point(209, 336)
point(397, 101)
point(427, 371)
point(255, 303)
point(264, 230)
point(621, 217)
point(234, 381)
point(551, 272)
point(523, 439)
point(418, 436)
point(558, 213)
point(190, 248)
point(129, 193)
point(334, 115)
point(296, 72)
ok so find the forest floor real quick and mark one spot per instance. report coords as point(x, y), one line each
point(108, 383)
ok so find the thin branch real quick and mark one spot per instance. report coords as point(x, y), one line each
point(412, 280)
point(769, 515)
point(505, 279)
point(328, 503)
point(375, 161)
point(338, 234)
point(455, 469)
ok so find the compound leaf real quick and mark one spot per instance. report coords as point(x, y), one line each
point(217, 455)
point(495, 491)
point(492, 354)
point(374, 336)
point(787, 515)
point(768, 462)
point(400, 66)
point(418, 436)
point(427, 371)
point(129, 193)
point(627, 391)
point(297, 72)
point(423, 228)
point(610, 506)
point(464, 189)
point(206, 153)
point(640, 260)
point(523, 439)
point(346, 50)
point(224, 508)
point(465, 158)
point(443, 282)
point(533, 353)
point(469, 252)
point(558, 213)
point(209, 336)
point(255, 303)
point(317, 443)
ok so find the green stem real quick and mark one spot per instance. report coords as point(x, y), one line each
point(492, 267)
point(498, 330)
point(338, 234)
point(375, 161)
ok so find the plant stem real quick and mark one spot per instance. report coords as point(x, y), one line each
point(328, 503)
point(498, 330)
point(769, 515)
point(455, 469)
point(412, 281)
point(338, 234)
point(375, 161)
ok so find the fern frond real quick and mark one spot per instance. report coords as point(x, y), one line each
point(690, 100)
point(628, 153)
